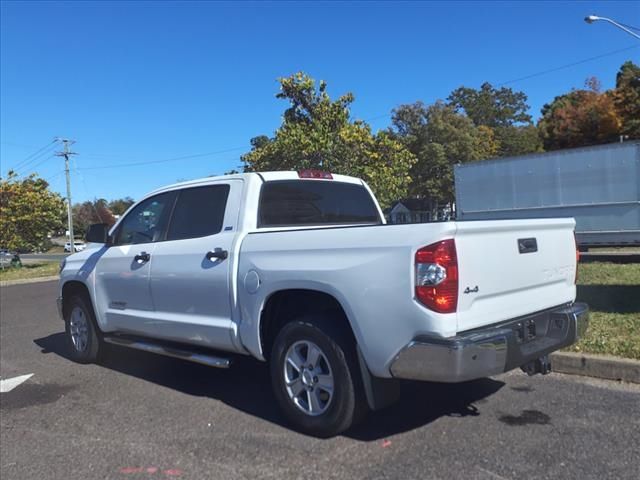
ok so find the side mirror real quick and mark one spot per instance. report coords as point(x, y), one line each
point(97, 233)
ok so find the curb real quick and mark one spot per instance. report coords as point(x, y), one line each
point(598, 366)
point(24, 281)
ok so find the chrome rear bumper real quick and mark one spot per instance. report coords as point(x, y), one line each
point(493, 349)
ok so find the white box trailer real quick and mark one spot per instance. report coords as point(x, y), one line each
point(599, 186)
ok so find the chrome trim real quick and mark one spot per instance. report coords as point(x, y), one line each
point(487, 351)
point(451, 362)
point(204, 359)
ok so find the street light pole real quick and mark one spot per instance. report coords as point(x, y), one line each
point(595, 18)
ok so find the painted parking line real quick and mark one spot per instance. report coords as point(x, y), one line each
point(11, 383)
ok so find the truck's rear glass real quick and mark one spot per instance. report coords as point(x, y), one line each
point(291, 203)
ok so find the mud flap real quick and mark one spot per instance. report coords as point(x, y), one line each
point(380, 392)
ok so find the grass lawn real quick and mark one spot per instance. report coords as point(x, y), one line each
point(32, 270)
point(613, 294)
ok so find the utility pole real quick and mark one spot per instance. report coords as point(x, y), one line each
point(66, 153)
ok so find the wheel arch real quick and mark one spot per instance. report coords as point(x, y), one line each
point(73, 288)
point(285, 305)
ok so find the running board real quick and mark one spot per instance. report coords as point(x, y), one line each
point(196, 357)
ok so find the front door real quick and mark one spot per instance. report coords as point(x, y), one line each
point(191, 269)
point(123, 297)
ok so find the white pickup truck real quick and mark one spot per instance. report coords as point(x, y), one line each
point(299, 269)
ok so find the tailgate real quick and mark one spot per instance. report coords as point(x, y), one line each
point(510, 268)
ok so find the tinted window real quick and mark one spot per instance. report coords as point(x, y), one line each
point(145, 223)
point(199, 212)
point(315, 202)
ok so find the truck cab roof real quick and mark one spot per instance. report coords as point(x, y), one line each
point(264, 176)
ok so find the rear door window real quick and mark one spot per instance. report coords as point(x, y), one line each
point(199, 212)
point(315, 202)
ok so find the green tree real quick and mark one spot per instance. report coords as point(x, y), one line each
point(580, 118)
point(505, 111)
point(120, 205)
point(439, 137)
point(317, 132)
point(518, 140)
point(29, 212)
point(626, 98)
point(490, 106)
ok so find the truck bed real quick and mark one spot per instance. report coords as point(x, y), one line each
point(370, 271)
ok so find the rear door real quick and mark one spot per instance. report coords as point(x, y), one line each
point(191, 269)
point(510, 268)
point(123, 297)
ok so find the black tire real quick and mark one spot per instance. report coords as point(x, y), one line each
point(93, 346)
point(347, 405)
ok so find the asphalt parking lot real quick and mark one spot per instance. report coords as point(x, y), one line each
point(139, 416)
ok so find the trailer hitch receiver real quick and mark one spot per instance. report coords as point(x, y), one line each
point(540, 365)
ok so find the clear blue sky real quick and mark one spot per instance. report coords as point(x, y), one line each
point(142, 81)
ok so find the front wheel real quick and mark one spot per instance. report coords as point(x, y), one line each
point(81, 331)
point(315, 376)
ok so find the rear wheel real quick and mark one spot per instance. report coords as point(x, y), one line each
point(81, 331)
point(315, 376)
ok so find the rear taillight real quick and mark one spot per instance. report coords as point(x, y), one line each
point(575, 278)
point(437, 276)
point(314, 174)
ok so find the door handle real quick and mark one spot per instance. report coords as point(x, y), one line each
point(142, 257)
point(527, 245)
point(218, 254)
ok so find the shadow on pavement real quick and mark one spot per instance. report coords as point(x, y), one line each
point(246, 386)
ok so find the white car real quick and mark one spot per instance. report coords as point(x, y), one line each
point(299, 269)
point(78, 246)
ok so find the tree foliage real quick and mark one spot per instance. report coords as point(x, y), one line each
point(317, 132)
point(580, 118)
point(626, 98)
point(439, 137)
point(29, 212)
point(490, 106)
point(503, 110)
point(120, 205)
point(518, 140)
point(89, 212)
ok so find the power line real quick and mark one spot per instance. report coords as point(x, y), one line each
point(31, 163)
point(630, 26)
point(14, 144)
point(28, 157)
point(33, 167)
point(173, 159)
point(48, 179)
point(40, 159)
point(544, 72)
point(34, 156)
point(569, 65)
